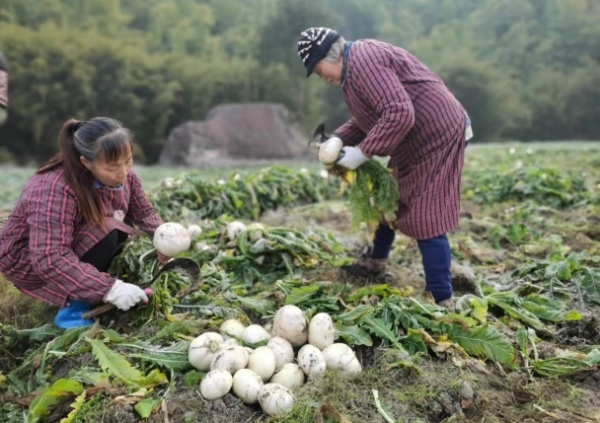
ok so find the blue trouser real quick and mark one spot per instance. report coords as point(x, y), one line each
point(435, 253)
point(100, 256)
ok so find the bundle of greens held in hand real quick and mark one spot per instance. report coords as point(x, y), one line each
point(373, 192)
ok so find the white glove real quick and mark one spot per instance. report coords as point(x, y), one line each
point(353, 158)
point(125, 295)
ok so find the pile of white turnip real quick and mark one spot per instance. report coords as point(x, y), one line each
point(262, 366)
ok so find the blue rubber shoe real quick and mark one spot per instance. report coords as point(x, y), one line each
point(70, 316)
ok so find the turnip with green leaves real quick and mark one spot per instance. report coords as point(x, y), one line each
point(194, 230)
point(256, 231)
point(171, 239)
point(234, 229)
point(203, 349)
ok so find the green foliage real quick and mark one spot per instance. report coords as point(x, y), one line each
point(544, 186)
point(117, 366)
point(373, 194)
point(242, 195)
point(51, 396)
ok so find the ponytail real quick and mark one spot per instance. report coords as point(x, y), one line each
point(78, 177)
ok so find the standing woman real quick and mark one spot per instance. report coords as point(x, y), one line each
point(400, 109)
point(70, 219)
point(3, 89)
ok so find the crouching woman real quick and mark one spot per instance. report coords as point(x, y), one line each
point(71, 218)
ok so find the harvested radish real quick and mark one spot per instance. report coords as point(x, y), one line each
point(291, 376)
point(284, 352)
point(275, 399)
point(194, 230)
point(234, 229)
point(321, 330)
point(231, 359)
point(171, 239)
point(246, 385)
point(263, 362)
point(232, 328)
point(311, 361)
point(329, 151)
point(291, 323)
point(256, 231)
point(255, 334)
point(203, 349)
point(340, 357)
point(216, 384)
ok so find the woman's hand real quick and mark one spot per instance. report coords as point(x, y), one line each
point(162, 259)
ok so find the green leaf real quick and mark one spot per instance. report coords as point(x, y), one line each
point(91, 377)
point(591, 285)
point(353, 335)
point(522, 340)
point(144, 407)
point(302, 294)
point(192, 378)
point(52, 395)
point(383, 330)
point(116, 365)
point(76, 407)
point(573, 315)
point(355, 314)
point(380, 290)
point(174, 357)
point(543, 311)
point(414, 343)
point(260, 305)
point(483, 341)
point(502, 300)
point(559, 366)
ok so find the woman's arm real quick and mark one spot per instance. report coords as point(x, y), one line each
point(141, 212)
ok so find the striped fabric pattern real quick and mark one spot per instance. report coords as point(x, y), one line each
point(45, 236)
point(402, 109)
point(3, 88)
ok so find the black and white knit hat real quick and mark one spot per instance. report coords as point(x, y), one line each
point(314, 44)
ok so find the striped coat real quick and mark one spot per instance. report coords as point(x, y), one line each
point(45, 237)
point(3, 88)
point(402, 109)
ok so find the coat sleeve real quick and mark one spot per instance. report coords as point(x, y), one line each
point(382, 89)
point(141, 212)
point(52, 218)
point(3, 88)
point(350, 133)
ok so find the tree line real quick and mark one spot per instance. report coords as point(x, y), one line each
point(524, 69)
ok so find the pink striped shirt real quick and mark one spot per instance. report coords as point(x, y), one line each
point(45, 236)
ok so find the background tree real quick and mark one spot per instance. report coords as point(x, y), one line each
point(525, 69)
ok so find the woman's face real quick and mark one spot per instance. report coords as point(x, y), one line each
point(330, 71)
point(111, 173)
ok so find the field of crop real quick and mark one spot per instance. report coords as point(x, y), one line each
point(522, 346)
